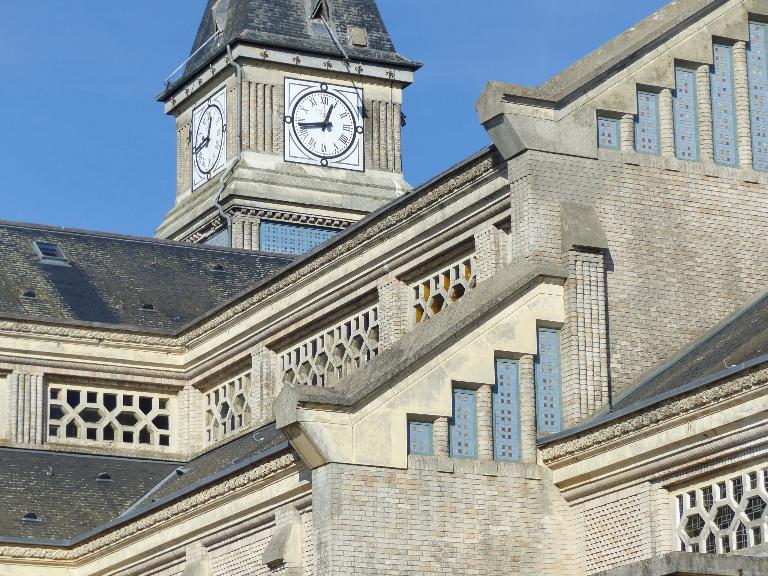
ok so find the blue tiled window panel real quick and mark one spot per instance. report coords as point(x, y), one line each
point(221, 238)
point(757, 65)
point(647, 123)
point(724, 106)
point(290, 238)
point(506, 412)
point(420, 438)
point(608, 133)
point(463, 424)
point(549, 409)
point(686, 117)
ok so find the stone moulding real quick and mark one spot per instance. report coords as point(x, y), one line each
point(203, 497)
point(635, 425)
point(483, 166)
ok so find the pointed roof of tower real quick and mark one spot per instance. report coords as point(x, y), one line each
point(296, 25)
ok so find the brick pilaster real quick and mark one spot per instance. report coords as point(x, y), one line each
point(627, 126)
point(191, 420)
point(440, 437)
point(741, 88)
point(584, 336)
point(704, 105)
point(487, 252)
point(527, 410)
point(245, 231)
point(666, 123)
point(393, 311)
point(484, 424)
point(265, 384)
point(26, 419)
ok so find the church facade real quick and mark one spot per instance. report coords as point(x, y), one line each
point(552, 358)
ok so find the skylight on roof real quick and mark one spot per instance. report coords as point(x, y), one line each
point(50, 252)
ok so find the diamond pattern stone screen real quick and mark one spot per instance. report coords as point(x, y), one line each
point(647, 123)
point(434, 293)
point(291, 238)
point(608, 133)
point(227, 408)
point(463, 424)
point(685, 115)
point(506, 412)
point(757, 66)
point(724, 106)
point(420, 438)
point(549, 410)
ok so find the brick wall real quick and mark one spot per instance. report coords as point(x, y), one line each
point(241, 556)
point(421, 521)
point(686, 249)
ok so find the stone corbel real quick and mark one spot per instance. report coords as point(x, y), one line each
point(283, 552)
point(197, 561)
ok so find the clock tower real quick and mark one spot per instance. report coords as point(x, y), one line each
point(288, 123)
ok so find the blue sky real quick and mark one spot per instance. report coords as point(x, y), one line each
point(84, 144)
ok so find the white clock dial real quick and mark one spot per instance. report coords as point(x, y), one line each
point(324, 124)
point(209, 141)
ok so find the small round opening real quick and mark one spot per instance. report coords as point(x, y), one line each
point(30, 517)
point(148, 307)
point(29, 294)
point(218, 268)
point(104, 477)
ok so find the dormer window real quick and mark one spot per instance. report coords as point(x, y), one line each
point(219, 11)
point(50, 253)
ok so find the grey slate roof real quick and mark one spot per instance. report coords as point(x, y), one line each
point(109, 278)
point(62, 489)
point(286, 24)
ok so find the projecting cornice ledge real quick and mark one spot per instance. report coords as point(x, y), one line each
point(500, 314)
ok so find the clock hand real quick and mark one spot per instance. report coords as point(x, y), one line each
point(328, 117)
point(203, 144)
point(312, 124)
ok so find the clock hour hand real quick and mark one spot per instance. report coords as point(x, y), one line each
point(203, 144)
point(312, 124)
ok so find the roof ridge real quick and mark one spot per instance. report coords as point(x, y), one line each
point(139, 239)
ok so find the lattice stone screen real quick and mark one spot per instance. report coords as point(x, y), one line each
point(79, 414)
point(227, 408)
point(431, 295)
point(724, 515)
point(333, 353)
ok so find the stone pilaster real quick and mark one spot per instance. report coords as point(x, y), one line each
point(26, 405)
point(584, 336)
point(191, 420)
point(627, 127)
point(484, 423)
point(527, 410)
point(393, 311)
point(245, 231)
point(666, 123)
point(265, 384)
point(704, 104)
point(196, 561)
point(488, 254)
point(741, 88)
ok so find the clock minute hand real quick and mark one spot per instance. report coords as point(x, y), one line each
point(326, 122)
point(312, 124)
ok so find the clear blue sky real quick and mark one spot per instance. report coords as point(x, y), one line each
point(84, 144)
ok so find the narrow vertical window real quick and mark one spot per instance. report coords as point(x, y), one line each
point(463, 424)
point(686, 118)
point(549, 411)
point(757, 66)
point(724, 106)
point(647, 123)
point(506, 412)
point(420, 438)
point(608, 133)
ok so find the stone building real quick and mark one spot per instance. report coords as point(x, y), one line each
point(550, 359)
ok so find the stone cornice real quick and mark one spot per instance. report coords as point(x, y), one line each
point(152, 520)
point(431, 193)
point(643, 422)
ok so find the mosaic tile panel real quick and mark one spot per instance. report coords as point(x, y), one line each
point(724, 107)
point(549, 410)
point(647, 123)
point(608, 135)
point(291, 238)
point(757, 66)
point(685, 115)
point(463, 424)
point(506, 412)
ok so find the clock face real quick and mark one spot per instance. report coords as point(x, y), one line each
point(324, 125)
point(209, 142)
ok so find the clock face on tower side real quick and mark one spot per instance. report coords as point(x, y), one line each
point(209, 138)
point(324, 125)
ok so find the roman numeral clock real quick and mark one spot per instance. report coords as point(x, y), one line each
point(324, 125)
